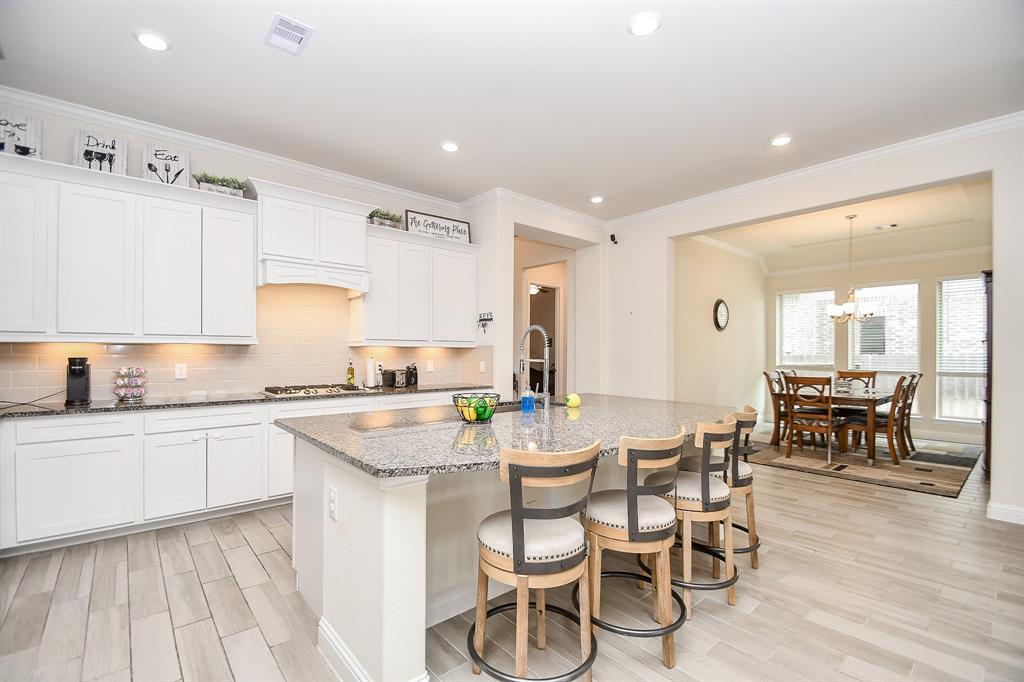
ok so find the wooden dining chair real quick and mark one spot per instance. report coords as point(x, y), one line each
point(777, 392)
point(891, 421)
point(905, 434)
point(858, 378)
point(809, 402)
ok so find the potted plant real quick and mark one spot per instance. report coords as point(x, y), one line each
point(221, 185)
point(379, 216)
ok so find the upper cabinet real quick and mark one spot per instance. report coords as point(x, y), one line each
point(308, 237)
point(422, 292)
point(93, 257)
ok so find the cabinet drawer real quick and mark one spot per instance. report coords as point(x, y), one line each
point(313, 408)
point(74, 427)
point(188, 419)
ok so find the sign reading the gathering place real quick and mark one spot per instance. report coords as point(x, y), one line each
point(437, 227)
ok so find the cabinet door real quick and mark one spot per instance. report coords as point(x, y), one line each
point(342, 238)
point(288, 228)
point(172, 260)
point(380, 312)
point(229, 273)
point(234, 465)
point(413, 292)
point(280, 461)
point(174, 473)
point(73, 486)
point(96, 261)
point(23, 237)
point(454, 296)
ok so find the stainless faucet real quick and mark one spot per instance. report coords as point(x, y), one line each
point(546, 395)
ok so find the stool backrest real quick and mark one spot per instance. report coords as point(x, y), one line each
point(744, 423)
point(859, 378)
point(530, 469)
point(648, 453)
point(714, 439)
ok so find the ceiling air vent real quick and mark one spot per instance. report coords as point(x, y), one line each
point(287, 34)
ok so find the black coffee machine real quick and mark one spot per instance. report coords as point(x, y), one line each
point(79, 392)
point(412, 375)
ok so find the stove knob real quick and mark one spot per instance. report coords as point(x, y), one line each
point(307, 390)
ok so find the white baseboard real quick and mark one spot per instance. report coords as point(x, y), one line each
point(1006, 512)
point(441, 607)
point(346, 666)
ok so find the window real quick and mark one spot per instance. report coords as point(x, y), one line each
point(888, 342)
point(960, 348)
point(806, 334)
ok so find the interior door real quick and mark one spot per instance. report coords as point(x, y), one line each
point(229, 273)
point(23, 256)
point(172, 259)
point(413, 293)
point(342, 238)
point(174, 473)
point(234, 465)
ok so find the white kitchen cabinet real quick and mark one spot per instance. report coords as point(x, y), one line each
point(229, 278)
point(280, 461)
point(453, 296)
point(174, 474)
point(413, 297)
point(288, 228)
point(381, 302)
point(234, 465)
point(24, 226)
point(172, 268)
point(74, 486)
point(342, 238)
point(96, 260)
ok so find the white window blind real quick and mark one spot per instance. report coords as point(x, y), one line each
point(889, 340)
point(806, 334)
point(960, 348)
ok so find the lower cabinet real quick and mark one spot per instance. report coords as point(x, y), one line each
point(72, 486)
point(234, 465)
point(174, 474)
point(280, 461)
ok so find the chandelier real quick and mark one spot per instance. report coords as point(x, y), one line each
point(851, 309)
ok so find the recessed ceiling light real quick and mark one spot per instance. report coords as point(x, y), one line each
point(153, 41)
point(450, 146)
point(644, 23)
point(781, 140)
point(596, 199)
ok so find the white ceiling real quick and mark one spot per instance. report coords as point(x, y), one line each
point(554, 100)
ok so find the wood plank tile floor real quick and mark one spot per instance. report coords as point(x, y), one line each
point(856, 582)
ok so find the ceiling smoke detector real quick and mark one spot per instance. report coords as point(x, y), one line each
point(886, 228)
point(289, 35)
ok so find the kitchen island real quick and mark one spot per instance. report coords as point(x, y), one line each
point(386, 507)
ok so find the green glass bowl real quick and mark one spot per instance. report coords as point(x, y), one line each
point(475, 407)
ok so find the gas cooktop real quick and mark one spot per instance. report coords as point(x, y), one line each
point(310, 389)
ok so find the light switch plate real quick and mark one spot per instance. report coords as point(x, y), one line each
point(430, 365)
point(332, 503)
point(180, 370)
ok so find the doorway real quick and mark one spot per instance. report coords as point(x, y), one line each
point(546, 311)
point(543, 295)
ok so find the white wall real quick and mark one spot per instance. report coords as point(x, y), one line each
point(640, 275)
point(711, 366)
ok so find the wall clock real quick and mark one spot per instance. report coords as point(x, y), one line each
point(721, 315)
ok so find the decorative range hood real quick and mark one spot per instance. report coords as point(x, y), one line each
point(307, 237)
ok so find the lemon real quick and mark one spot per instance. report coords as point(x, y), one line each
point(573, 413)
point(573, 400)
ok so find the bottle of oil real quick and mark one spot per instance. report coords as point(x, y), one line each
point(351, 373)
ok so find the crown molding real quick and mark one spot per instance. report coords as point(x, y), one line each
point(887, 260)
point(546, 206)
point(945, 137)
point(14, 97)
point(737, 250)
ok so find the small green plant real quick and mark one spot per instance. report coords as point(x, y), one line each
point(381, 214)
point(233, 183)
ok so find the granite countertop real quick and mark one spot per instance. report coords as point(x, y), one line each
point(435, 440)
point(213, 400)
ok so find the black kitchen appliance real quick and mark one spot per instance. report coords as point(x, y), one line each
point(79, 390)
point(395, 378)
point(412, 375)
point(307, 390)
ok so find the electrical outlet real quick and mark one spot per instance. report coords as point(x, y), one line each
point(180, 370)
point(430, 365)
point(483, 366)
point(332, 503)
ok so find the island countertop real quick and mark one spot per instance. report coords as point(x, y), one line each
point(435, 440)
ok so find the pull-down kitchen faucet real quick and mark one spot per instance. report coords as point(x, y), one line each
point(546, 395)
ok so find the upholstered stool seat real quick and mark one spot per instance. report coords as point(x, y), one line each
point(688, 485)
point(692, 463)
point(545, 539)
point(611, 508)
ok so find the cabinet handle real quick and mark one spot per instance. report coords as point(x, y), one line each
point(215, 436)
point(196, 438)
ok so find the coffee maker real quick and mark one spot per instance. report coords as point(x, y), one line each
point(412, 375)
point(79, 389)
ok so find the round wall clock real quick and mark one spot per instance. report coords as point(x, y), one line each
point(721, 315)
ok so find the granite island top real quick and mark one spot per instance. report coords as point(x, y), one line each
point(213, 400)
point(435, 440)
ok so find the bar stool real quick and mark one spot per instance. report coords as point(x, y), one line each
point(739, 476)
point(535, 548)
point(703, 497)
point(638, 520)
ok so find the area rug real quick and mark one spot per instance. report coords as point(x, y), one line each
point(935, 469)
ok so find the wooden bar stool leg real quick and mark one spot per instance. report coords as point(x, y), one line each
point(595, 579)
point(542, 620)
point(730, 563)
point(584, 582)
point(714, 541)
point(688, 562)
point(751, 526)
point(522, 623)
point(481, 614)
point(664, 585)
point(655, 590)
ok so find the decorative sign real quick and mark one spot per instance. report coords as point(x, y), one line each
point(21, 135)
point(101, 152)
point(166, 164)
point(437, 227)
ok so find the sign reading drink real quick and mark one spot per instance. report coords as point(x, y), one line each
point(437, 227)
